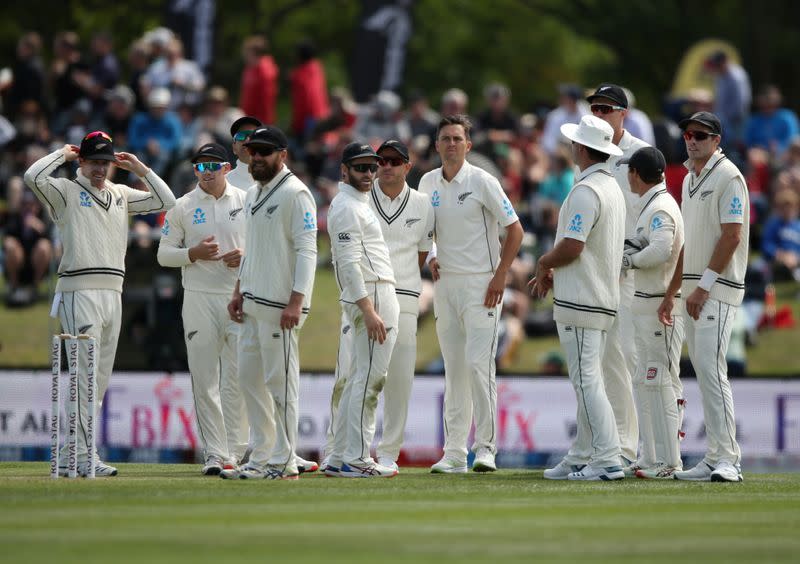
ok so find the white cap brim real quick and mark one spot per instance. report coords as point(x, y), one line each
point(570, 131)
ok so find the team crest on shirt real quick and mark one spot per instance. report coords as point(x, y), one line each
point(706, 194)
point(308, 222)
point(435, 199)
point(412, 220)
point(165, 228)
point(463, 197)
point(576, 224)
point(507, 206)
point(119, 202)
point(656, 223)
point(233, 213)
point(736, 206)
point(272, 209)
point(86, 201)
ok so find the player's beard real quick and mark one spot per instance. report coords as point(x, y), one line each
point(263, 171)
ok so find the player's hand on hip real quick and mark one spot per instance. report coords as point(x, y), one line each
point(665, 310)
point(235, 308)
point(433, 264)
point(695, 302)
point(232, 259)
point(494, 293)
point(206, 249)
point(71, 152)
point(290, 316)
point(376, 330)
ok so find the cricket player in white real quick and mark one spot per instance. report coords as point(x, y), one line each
point(610, 103)
point(716, 214)
point(582, 268)
point(407, 222)
point(271, 300)
point(91, 214)
point(367, 293)
point(241, 130)
point(470, 277)
point(654, 253)
point(203, 235)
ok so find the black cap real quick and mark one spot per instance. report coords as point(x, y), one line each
point(357, 150)
point(649, 162)
point(97, 146)
point(255, 122)
point(612, 92)
point(705, 118)
point(268, 135)
point(397, 146)
point(213, 151)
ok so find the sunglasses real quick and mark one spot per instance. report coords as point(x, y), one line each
point(101, 134)
point(208, 167)
point(392, 161)
point(605, 108)
point(364, 167)
point(262, 150)
point(242, 135)
point(698, 135)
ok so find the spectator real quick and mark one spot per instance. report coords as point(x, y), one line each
point(497, 124)
point(28, 74)
point(117, 116)
point(772, 127)
point(454, 102)
point(419, 119)
point(218, 115)
point(138, 61)
point(155, 134)
point(104, 73)
point(781, 237)
point(379, 119)
point(182, 77)
point(571, 108)
point(637, 123)
point(732, 96)
point(309, 91)
point(259, 87)
point(66, 71)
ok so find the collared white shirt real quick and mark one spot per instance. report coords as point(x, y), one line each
point(469, 211)
point(629, 145)
point(198, 215)
point(240, 176)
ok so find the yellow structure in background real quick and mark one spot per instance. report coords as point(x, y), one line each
point(691, 74)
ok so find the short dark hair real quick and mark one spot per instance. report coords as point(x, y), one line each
point(455, 119)
point(649, 179)
point(597, 156)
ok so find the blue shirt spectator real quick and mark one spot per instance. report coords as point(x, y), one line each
point(155, 134)
point(772, 128)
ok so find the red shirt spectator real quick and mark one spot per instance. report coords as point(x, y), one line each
point(309, 91)
point(259, 91)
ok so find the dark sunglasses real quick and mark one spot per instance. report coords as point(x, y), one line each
point(102, 134)
point(364, 167)
point(208, 167)
point(605, 108)
point(698, 135)
point(390, 161)
point(243, 135)
point(262, 150)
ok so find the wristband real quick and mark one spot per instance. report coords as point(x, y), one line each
point(707, 280)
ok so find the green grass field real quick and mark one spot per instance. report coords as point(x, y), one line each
point(170, 513)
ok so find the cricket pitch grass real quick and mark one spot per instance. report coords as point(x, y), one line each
point(170, 513)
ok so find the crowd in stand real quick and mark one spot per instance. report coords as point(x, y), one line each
point(161, 106)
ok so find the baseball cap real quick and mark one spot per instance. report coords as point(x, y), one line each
point(268, 135)
point(396, 145)
point(704, 118)
point(649, 162)
point(213, 151)
point(357, 150)
point(612, 92)
point(245, 120)
point(97, 146)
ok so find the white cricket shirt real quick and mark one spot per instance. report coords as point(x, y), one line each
point(240, 176)
point(629, 145)
point(196, 216)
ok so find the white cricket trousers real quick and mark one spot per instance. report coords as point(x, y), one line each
point(658, 388)
point(97, 313)
point(211, 345)
point(364, 374)
point(269, 375)
point(467, 332)
point(396, 390)
point(708, 339)
point(596, 442)
point(619, 364)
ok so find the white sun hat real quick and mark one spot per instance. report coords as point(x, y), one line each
point(594, 133)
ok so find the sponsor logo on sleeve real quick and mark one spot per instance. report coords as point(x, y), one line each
point(165, 228)
point(736, 206)
point(656, 223)
point(309, 223)
point(508, 208)
point(576, 224)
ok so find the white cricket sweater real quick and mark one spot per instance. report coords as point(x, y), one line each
point(93, 224)
point(360, 254)
point(197, 215)
point(280, 244)
point(240, 177)
point(468, 210)
point(717, 195)
point(586, 291)
point(407, 224)
point(629, 145)
point(661, 224)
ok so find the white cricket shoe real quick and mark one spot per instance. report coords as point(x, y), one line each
point(101, 469)
point(700, 473)
point(305, 466)
point(368, 469)
point(484, 461)
point(561, 470)
point(449, 466)
point(592, 474)
point(388, 462)
point(658, 472)
point(726, 472)
point(213, 466)
point(332, 471)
